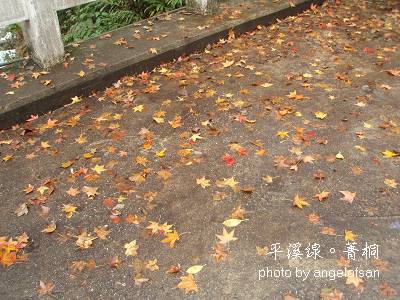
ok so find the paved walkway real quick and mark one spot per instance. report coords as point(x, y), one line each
point(186, 179)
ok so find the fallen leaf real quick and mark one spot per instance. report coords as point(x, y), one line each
point(300, 202)
point(187, 284)
point(194, 269)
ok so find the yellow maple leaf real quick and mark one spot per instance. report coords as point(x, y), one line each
point(69, 210)
point(99, 169)
point(320, 115)
point(171, 238)
point(349, 235)
point(203, 182)
point(138, 108)
point(299, 202)
point(131, 248)
point(282, 134)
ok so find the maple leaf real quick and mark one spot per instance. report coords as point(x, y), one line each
point(102, 232)
point(320, 115)
point(226, 237)
point(152, 265)
point(154, 227)
point(262, 251)
point(187, 284)
point(349, 235)
point(293, 95)
point(228, 159)
point(91, 192)
point(131, 248)
point(219, 253)
point(171, 238)
point(99, 169)
point(313, 218)
point(386, 290)
point(45, 288)
point(322, 196)
point(299, 202)
point(354, 280)
point(238, 213)
point(229, 182)
point(138, 108)
point(328, 230)
point(331, 294)
point(289, 296)
point(42, 189)
point(69, 210)
point(203, 182)
point(84, 240)
point(343, 262)
point(282, 134)
point(164, 174)
point(348, 196)
point(72, 192)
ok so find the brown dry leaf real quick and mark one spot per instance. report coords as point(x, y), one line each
point(220, 253)
point(289, 296)
point(164, 174)
point(313, 218)
point(238, 213)
point(50, 228)
point(354, 280)
point(187, 284)
point(331, 294)
point(91, 192)
point(226, 237)
point(348, 196)
point(386, 290)
point(21, 210)
point(102, 232)
point(328, 230)
point(322, 195)
point(45, 288)
point(174, 269)
point(84, 240)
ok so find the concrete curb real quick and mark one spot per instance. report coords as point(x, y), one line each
point(50, 99)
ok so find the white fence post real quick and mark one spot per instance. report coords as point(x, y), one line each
point(42, 32)
point(203, 7)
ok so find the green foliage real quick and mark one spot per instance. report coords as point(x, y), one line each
point(95, 18)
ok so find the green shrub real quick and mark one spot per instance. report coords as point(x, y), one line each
point(95, 18)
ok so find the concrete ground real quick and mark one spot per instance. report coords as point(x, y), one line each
point(289, 134)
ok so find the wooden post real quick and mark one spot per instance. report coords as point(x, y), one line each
point(203, 7)
point(42, 32)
